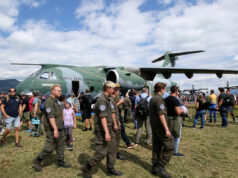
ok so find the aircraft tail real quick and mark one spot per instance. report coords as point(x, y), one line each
point(170, 58)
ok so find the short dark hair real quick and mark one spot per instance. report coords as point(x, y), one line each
point(62, 98)
point(221, 89)
point(159, 86)
point(91, 89)
point(173, 89)
point(212, 91)
point(145, 90)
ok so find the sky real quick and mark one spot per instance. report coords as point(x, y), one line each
point(128, 33)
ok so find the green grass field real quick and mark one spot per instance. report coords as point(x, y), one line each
point(211, 152)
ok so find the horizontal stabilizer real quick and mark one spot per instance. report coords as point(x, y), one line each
point(186, 53)
point(172, 55)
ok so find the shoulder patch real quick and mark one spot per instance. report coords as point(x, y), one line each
point(48, 110)
point(162, 106)
point(102, 107)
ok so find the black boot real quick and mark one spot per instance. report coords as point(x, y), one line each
point(121, 157)
point(86, 171)
point(85, 129)
point(37, 164)
point(112, 171)
point(64, 164)
point(157, 170)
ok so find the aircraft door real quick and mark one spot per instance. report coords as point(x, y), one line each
point(75, 87)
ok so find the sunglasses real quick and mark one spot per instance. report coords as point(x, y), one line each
point(12, 90)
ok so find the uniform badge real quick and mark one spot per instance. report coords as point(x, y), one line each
point(162, 106)
point(102, 107)
point(48, 110)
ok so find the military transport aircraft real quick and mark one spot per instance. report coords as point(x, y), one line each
point(75, 79)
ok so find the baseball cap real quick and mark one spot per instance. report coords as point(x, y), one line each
point(117, 85)
point(109, 84)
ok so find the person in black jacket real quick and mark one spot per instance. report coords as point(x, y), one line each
point(85, 106)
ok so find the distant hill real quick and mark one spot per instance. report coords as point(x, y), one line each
point(8, 83)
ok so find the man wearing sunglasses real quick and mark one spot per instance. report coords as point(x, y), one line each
point(11, 109)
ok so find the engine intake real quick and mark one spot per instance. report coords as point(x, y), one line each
point(127, 80)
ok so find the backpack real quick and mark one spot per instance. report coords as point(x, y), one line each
point(226, 101)
point(42, 104)
point(232, 101)
point(143, 107)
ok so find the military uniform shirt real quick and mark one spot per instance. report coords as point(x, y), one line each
point(127, 103)
point(157, 108)
point(103, 108)
point(52, 109)
point(116, 110)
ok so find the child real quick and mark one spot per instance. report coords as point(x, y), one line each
point(69, 119)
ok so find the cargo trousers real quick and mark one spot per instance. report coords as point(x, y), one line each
point(51, 144)
point(104, 149)
point(163, 148)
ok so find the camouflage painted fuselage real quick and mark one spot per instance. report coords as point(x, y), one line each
point(84, 77)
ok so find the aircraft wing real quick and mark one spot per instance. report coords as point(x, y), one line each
point(149, 73)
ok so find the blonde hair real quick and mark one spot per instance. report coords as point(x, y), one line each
point(55, 86)
point(200, 96)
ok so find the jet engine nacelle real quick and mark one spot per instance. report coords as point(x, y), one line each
point(127, 80)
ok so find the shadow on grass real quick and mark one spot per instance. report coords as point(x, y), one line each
point(50, 160)
point(11, 139)
point(92, 143)
point(80, 127)
point(142, 140)
point(84, 157)
point(137, 160)
point(24, 128)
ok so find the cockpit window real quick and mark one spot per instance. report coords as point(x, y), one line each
point(52, 76)
point(44, 75)
point(35, 73)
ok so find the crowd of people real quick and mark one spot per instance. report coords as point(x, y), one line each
point(224, 103)
point(160, 114)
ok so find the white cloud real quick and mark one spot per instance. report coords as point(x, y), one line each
point(9, 10)
point(88, 7)
point(120, 34)
point(33, 3)
point(165, 2)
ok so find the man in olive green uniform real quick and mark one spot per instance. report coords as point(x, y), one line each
point(119, 103)
point(104, 125)
point(117, 132)
point(127, 107)
point(162, 140)
point(54, 130)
